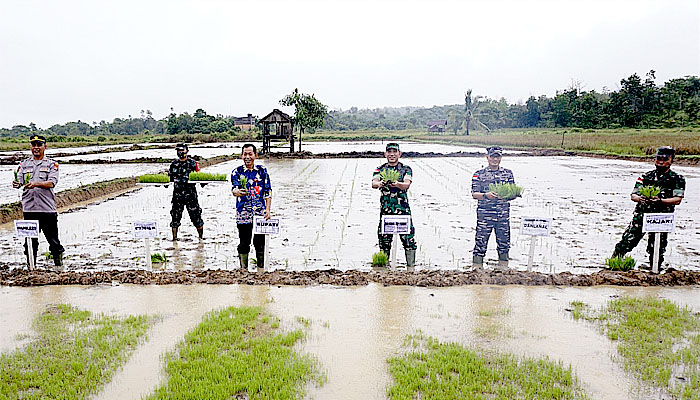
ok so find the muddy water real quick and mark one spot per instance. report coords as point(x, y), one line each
point(330, 214)
point(72, 176)
point(354, 330)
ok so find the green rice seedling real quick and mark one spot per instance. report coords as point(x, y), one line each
point(619, 263)
point(649, 191)
point(238, 353)
point(158, 258)
point(657, 341)
point(27, 177)
point(16, 178)
point(48, 255)
point(154, 178)
point(71, 356)
point(206, 176)
point(244, 182)
point(430, 369)
point(380, 259)
point(506, 191)
point(389, 175)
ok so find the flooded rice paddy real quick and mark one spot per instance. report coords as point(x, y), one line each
point(330, 216)
point(354, 330)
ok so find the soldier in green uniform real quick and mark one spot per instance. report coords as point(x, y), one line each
point(394, 201)
point(184, 193)
point(672, 187)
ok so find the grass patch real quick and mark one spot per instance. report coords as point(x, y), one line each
point(236, 353)
point(619, 263)
point(434, 370)
point(73, 354)
point(658, 341)
point(380, 259)
point(206, 176)
point(154, 178)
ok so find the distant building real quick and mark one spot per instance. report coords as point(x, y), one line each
point(438, 125)
point(245, 123)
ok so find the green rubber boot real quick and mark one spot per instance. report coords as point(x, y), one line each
point(244, 260)
point(410, 258)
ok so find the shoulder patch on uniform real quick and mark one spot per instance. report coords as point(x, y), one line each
point(55, 164)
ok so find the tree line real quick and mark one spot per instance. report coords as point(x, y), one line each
point(639, 103)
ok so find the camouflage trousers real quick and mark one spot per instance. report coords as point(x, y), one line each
point(488, 220)
point(193, 209)
point(633, 234)
point(408, 241)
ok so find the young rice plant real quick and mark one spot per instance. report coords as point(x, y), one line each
point(506, 191)
point(389, 175)
point(619, 263)
point(380, 259)
point(649, 191)
point(158, 258)
point(154, 178)
point(206, 176)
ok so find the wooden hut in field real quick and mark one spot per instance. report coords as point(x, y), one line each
point(437, 125)
point(277, 126)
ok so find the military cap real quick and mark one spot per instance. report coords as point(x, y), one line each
point(666, 151)
point(37, 138)
point(494, 151)
point(392, 146)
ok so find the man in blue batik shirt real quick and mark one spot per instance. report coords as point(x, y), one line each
point(253, 197)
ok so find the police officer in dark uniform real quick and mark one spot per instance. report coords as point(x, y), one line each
point(184, 193)
point(37, 176)
point(672, 187)
point(492, 212)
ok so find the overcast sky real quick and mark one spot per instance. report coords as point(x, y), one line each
point(92, 60)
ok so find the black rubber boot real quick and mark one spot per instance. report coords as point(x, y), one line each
point(410, 258)
point(58, 259)
point(244, 260)
point(503, 256)
point(260, 260)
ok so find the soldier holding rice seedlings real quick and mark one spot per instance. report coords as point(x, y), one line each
point(184, 193)
point(253, 191)
point(37, 176)
point(492, 211)
point(656, 191)
point(393, 179)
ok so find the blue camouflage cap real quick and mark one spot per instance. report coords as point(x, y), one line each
point(494, 151)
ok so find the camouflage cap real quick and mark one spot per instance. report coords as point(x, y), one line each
point(182, 146)
point(392, 146)
point(494, 151)
point(666, 151)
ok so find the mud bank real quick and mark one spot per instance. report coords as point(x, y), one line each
point(438, 278)
point(412, 154)
point(66, 198)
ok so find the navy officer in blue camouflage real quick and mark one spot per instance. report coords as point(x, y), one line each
point(492, 212)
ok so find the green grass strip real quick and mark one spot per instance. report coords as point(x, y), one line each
point(74, 353)
point(154, 178)
point(659, 341)
point(434, 370)
point(206, 176)
point(236, 353)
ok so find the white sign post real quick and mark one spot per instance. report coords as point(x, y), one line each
point(656, 224)
point(146, 230)
point(395, 225)
point(266, 227)
point(534, 227)
point(28, 229)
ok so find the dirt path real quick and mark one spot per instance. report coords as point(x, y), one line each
point(21, 277)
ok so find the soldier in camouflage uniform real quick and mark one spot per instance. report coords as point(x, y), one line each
point(672, 187)
point(184, 193)
point(492, 212)
point(394, 201)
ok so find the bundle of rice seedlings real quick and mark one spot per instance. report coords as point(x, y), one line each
point(16, 176)
point(154, 178)
point(380, 259)
point(27, 177)
point(158, 258)
point(206, 176)
point(649, 191)
point(620, 263)
point(389, 175)
point(244, 182)
point(506, 191)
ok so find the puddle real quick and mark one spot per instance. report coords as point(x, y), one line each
point(330, 213)
point(354, 330)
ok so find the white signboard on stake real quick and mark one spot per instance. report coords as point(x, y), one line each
point(660, 222)
point(396, 224)
point(263, 227)
point(27, 228)
point(535, 226)
point(145, 229)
